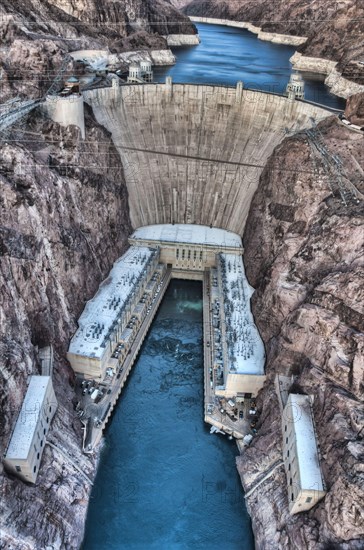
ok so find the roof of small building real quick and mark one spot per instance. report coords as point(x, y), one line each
point(188, 234)
point(298, 411)
point(26, 423)
point(73, 79)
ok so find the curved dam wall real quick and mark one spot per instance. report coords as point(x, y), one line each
point(194, 153)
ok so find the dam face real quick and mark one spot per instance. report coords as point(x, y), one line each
point(194, 153)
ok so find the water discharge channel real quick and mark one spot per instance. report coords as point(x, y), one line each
point(163, 481)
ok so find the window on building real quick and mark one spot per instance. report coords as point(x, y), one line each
point(290, 481)
point(41, 442)
point(289, 467)
point(47, 420)
point(195, 254)
point(18, 469)
point(35, 448)
point(288, 453)
point(38, 455)
point(177, 253)
point(308, 499)
point(44, 431)
point(285, 428)
point(286, 440)
point(292, 496)
point(50, 409)
point(189, 254)
point(200, 255)
point(34, 469)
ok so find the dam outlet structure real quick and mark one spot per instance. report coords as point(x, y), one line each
point(116, 320)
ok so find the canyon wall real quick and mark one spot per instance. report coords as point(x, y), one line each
point(36, 37)
point(194, 154)
point(303, 254)
point(64, 221)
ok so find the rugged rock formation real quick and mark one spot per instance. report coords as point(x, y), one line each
point(334, 29)
point(303, 254)
point(355, 109)
point(64, 220)
point(36, 36)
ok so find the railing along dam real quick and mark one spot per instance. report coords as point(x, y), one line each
point(194, 153)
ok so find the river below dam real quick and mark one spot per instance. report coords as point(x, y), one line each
point(227, 54)
point(164, 482)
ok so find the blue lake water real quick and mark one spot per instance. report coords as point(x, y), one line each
point(164, 482)
point(227, 54)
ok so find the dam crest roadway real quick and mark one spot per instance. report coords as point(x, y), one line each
point(193, 154)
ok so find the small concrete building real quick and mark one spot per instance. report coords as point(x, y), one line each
point(141, 72)
point(295, 87)
point(67, 107)
point(24, 452)
point(146, 69)
point(300, 455)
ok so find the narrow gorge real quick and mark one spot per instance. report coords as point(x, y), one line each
point(178, 153)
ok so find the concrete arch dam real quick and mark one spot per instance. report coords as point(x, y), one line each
point(194, 153)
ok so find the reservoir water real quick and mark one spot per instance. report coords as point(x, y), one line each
point(228, 54)
point(164, 482)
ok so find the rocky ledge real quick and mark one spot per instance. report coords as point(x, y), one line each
point(303, 254)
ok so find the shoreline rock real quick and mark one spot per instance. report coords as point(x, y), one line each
point(338, 85)
point(176, 40)
point(274, 37)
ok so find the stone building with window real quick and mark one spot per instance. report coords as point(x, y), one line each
point(300, 455)
point(26, 446)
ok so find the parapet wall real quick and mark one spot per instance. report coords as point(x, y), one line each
point(194, 153)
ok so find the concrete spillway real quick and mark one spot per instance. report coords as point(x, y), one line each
point(192, 153)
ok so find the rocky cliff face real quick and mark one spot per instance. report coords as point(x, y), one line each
point(36, 36)
point(334, 29)
point(64, 221)
point(304, 256)
point(355, 109)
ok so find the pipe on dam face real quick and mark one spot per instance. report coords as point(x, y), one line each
point(195, 153)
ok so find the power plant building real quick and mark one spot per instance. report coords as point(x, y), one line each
point(114, 322)
point(300, 455)
point(105, 317)
point(244, 355)
point(193, 249)
point(24, 453)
